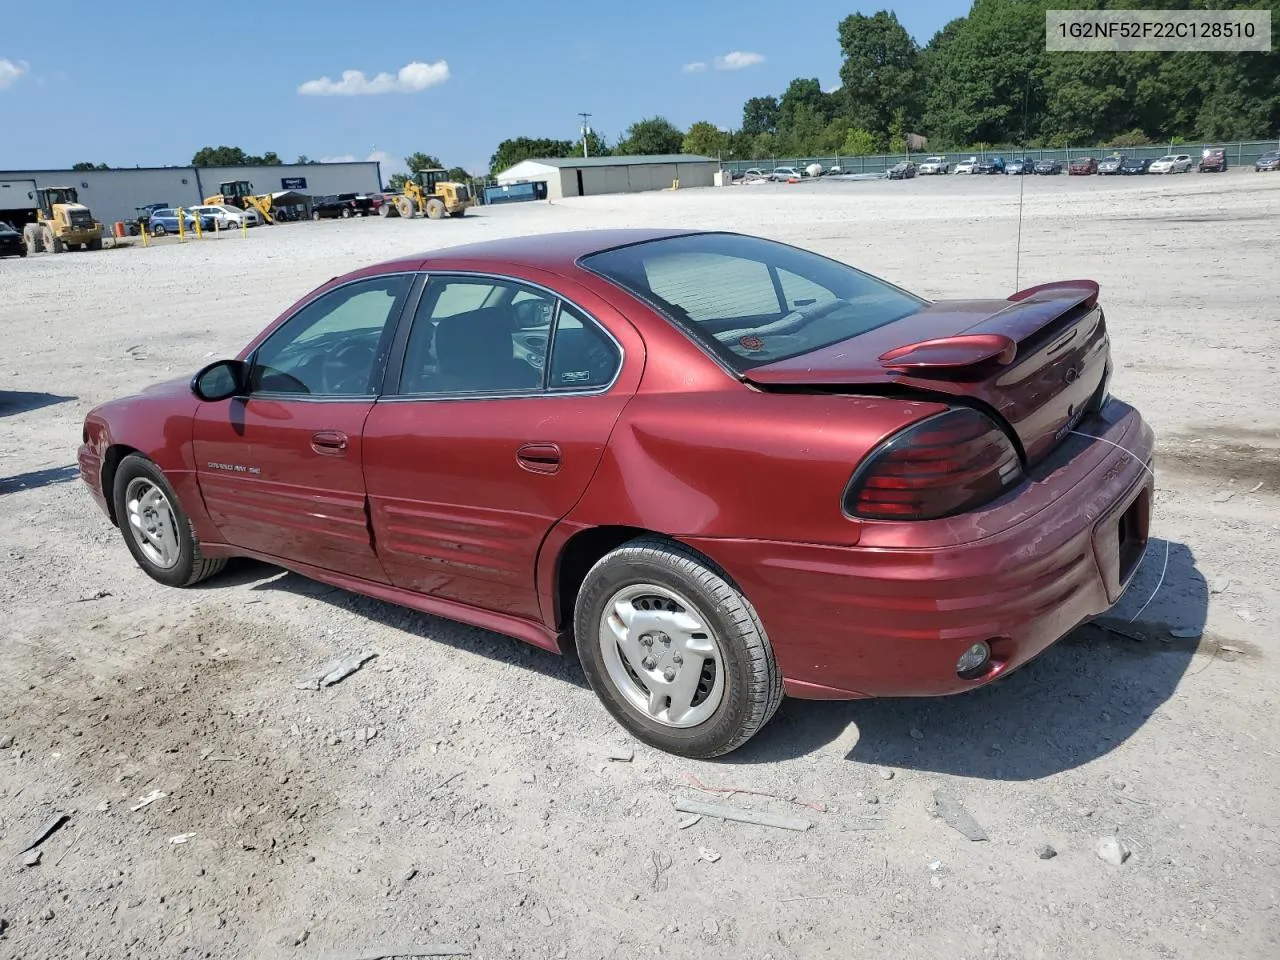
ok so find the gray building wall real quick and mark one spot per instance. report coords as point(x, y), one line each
point(114, 194)
point(631, 178)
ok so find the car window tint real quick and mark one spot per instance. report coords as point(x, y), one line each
point(709, 286)
point(582, 355)
point(720, 289)
point(477, 336)
point(333, 345)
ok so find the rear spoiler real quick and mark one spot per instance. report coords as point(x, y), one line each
point(995, 339)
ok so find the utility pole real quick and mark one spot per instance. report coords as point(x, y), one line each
point(585, 130)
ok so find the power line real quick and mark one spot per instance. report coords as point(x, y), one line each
point(585, 130)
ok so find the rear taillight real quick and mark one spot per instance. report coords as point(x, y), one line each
point(941, 466)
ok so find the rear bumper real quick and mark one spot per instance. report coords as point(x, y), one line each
point(891, 616)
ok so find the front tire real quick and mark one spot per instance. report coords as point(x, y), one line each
point(674, 651)
point(155, 528)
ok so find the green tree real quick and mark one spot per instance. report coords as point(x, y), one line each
point(706, 139)
point(89, 166)
point(460, 175)
point(422, 161)
point(760, 115)
point(859, 143)
point(513, 151)
point(232, 157)
point(397, 182)
point(649, 137)
point(879, 75)
point(764, 146)
point(303, 160)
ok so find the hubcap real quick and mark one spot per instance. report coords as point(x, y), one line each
point(661, 655)
point(151, 522)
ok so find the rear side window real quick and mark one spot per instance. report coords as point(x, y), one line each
point(753, 301)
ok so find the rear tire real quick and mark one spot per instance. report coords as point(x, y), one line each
point(159, 230)
point(53, 243)
point(435, 209)
point(94, 244)
point(685, 604)
point(346, 213)
point(386, 209)
point(144, 499)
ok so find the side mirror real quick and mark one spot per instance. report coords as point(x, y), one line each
point(221, 380)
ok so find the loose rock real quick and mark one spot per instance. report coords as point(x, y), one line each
point(1046, 852)
point(886, 773)
point(31, 858)
point(916, 734)
point(1112, 850)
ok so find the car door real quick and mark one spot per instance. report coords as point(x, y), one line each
point(281, 468)
point(498, 416)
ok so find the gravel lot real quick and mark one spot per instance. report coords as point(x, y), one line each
point(458, 788)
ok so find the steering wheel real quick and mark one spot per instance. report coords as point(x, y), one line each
point(347, 370)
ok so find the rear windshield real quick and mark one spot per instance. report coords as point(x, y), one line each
point(753, 301)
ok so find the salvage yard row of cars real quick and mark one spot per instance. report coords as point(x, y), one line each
point(1213, 160)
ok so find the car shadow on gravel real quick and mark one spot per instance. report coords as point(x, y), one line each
point(1079, 700)
point(485, 643)
point(13, 402)
point(34, 479)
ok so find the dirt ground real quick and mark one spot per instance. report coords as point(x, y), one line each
point(457, 789)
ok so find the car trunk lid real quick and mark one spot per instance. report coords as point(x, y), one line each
point(1039, 361)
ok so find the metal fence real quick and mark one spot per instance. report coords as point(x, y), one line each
point(1238, 154)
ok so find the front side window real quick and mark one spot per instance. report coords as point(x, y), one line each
point(753, 301)
point(335, 345)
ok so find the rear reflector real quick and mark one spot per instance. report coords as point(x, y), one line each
point(941, 466)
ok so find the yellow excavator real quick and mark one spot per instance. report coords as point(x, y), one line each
point(432, 194)
point(62, 223)
point(239, 193)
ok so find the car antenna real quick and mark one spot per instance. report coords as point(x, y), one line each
point(1022, 176)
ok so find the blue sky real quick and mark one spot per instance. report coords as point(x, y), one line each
point(149, 82)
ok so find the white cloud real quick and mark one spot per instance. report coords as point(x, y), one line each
point(410, 78)
point(340, 158)
point(738, 60)
point(833, 88)
point(697, 67)
point(10, 72)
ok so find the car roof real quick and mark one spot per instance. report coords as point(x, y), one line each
point(550, 251)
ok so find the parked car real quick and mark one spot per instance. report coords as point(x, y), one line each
point(11, 242)
point(967, 166)
point(1048, 168)
point(1268, 161)
point(1018, 166)
point(538, 471)
point(1130, 166)
point(755, 173)
point(902, 171)
point(1171, 163)
point(165, 220)
point(933, 166)
point(1082, 167)
point(1110, 166)
point(1213, 160)
point(786, 173)
point(331, 206)
point(991, 166)
point(227, 217)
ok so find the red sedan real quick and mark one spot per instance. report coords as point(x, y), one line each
point(1082, 167)
point(724, 468)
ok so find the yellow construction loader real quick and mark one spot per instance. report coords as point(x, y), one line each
point(432, 194)
point(62, 223)
point(239, 193)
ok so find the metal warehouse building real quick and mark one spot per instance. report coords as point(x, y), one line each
point(588, 176)
point(113, 195)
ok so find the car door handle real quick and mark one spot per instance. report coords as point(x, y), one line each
point(331, 443)
point(539, 457)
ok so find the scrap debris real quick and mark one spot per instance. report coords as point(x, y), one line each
point(150, 798)
point(385, 953)
point(697, 784)
point(181, 838)
point(707, 854)
point(336, 670)
point(954, 815)
point(760, 818)
point(621, 755)
point(45, 831)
